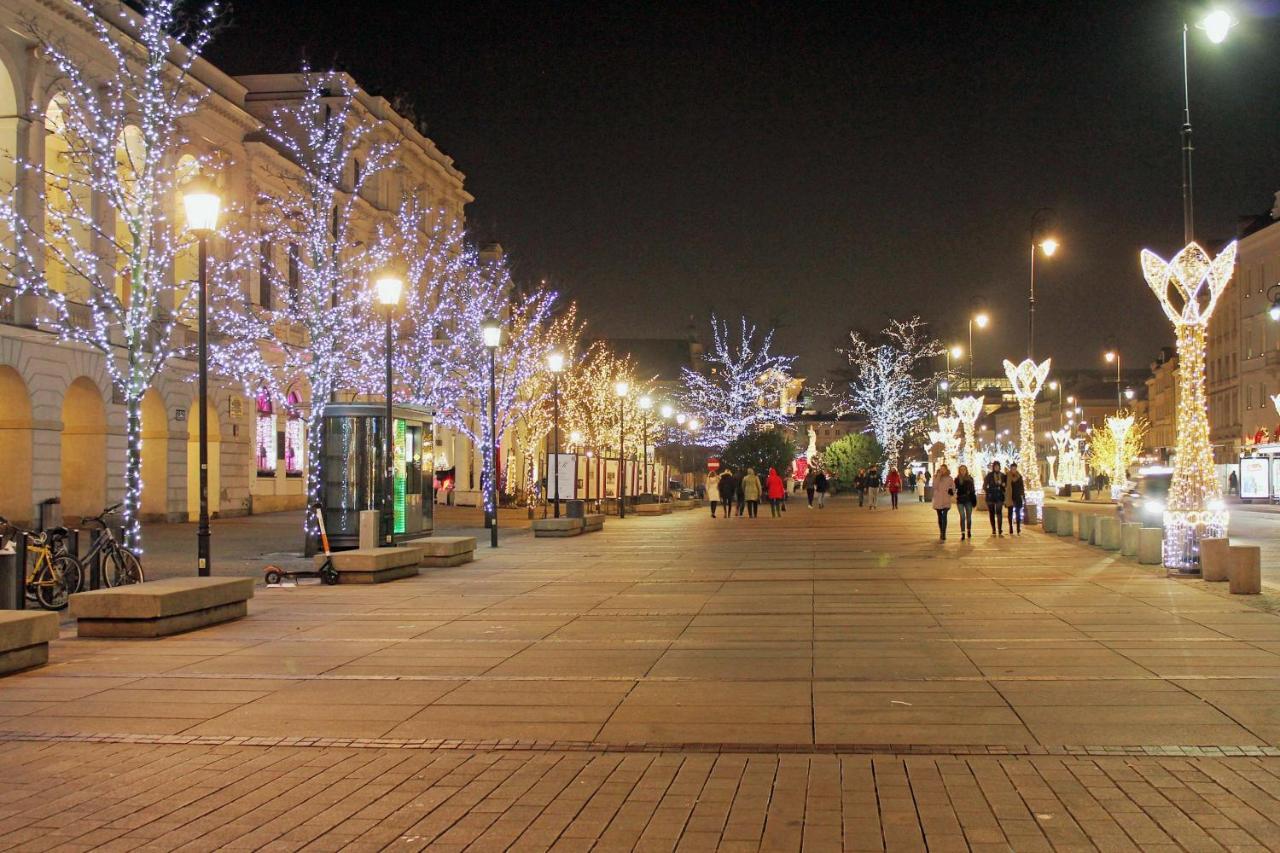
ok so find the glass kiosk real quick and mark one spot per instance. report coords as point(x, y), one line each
point(352, 466)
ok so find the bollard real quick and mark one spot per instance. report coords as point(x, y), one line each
point(1050, 519)
point(1085, 530)
point(1031, 514)
point(1066, 522)
point(1244, 571)
point(1215, 558)
point(1108, 533)
point(1151, 546)
point(1129, 538)
point(95, 562)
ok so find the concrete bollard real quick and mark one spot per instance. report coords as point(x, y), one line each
point(1244, 571)
point(1129, 538)
point(370, 524)
point(1109, 535)
point(1050, 519)
point(1031, 514)
point(1215, 558)
point(1085, 531)
point(1151, 546)
point(1066, 522)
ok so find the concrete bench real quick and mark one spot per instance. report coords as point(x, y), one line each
point(1215, 558)
point(375, 565)
point(160, 608)
point(591, 522)
point(556, 527)
point(1085, 530)
point(441, 551)
point(1066, 522)
point(684, 503)
point(1107, 533)
point(24, 638)
point(1129, 531)
point(1244, 571)
point(1151, 546)
point(1050, 519)
point(651, 509)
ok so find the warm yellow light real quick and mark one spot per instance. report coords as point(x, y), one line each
point(694, 425)
point(1071, 401)
point(944, 385)
point(981, 319)
point(1049, 246)
point(680, 419)
point(645, 402)
point(666, 411)
point(1053, 385)
point(957, 351)
point(202, 202)
point(621, 387)
point(388, 284)
point(1110, 356)
point(575, 437)
point(555, 362)
point(1217, 24)
point(492, 331)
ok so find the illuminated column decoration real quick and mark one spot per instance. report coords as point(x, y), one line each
point(1049, 459)
point(1119, 427)
point(949, 426)
point(968, 408)
point(1188, 288)
point(1061, 440)
point(1027, 379)
point(1275, 401)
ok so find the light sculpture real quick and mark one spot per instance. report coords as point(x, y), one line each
point(1027, 379)
point(1119, 427)
point(968, 409)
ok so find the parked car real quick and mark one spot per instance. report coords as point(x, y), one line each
point(1145, 501)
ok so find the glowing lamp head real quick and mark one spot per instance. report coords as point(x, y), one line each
point(1128, 393)
point(492, 331)
point(666, 411)
point(1048, 246)
point(202, 203)
point(694, 425)
point(388, 285)
point(981, 319)
point(575, 437)
point(1274, 311)
point(944, 385)
point(1110, 356)
point(1217, 24)
point(680, 419)
point(621, 387)
point(555, 362)
point(645, 402)
point(1053, 385)
point(957, 351)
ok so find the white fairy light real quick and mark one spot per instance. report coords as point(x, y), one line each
point(1027, 379)
point(968, 409)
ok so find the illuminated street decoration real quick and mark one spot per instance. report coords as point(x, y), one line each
point(1027, 379)
point(1119, 427)
point(1188, 288)
point(949, 428)
point(968, 408)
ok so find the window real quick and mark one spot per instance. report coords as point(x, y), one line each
point(293, 436)
point(264, 274)
point(295, 273)
point(265, 436)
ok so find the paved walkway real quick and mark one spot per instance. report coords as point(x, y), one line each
point(831, 678)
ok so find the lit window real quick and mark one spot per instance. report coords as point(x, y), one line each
point(265, 436)
point(294, 437)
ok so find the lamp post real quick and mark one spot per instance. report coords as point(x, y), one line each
point(1113, 356)
point(621, 387)
point(645, 403)
point(202, 203)
point(1216, 25)
point(1055, 385)
point(981, 319)
point(492, 331)
point(1048, 245)
point(389, 284)
point(555, 364)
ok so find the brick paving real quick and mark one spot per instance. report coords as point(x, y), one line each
point(829, 680)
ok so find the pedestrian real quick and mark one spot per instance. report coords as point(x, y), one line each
point(751, 492)
point(894, 483)
point(741, 498)
point(921, 482)
point(728, 487)
point(943, 494)
point(873, 487)
point(993, 489)
point(911, 480)
point(860, 485)
point(821, 484)
point(1015, 497)
point(1233, 484)
point(966, 496)
point(810, 477)
point(776, 490)
point(713, 491)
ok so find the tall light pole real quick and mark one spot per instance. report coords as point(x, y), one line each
point(981, 319)
point(555, 364)
point(1216, 25)
point(202, 203)
point(621, 387)
point(1113, 356)
point(645, 403)
point(1048, 245)
point(389, 284)
point(492, 331)
point(1055, 385)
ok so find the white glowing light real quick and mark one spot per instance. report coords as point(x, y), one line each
point(1027, 378)
point(1217, 24)
point(968, 409)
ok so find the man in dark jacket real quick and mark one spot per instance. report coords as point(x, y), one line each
point(728, 492)
point(820, 486)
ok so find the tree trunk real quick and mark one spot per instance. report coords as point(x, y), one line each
point(315, 476)
point(132, 505)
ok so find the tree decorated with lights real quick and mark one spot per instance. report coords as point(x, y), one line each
point(890, 383)
point(1111, 450)
point(1027, 379)
point(949, 434)
point(734, 394)
point(1004, 452)
point(968, 409)
point(104, 260)
point(1188, 287)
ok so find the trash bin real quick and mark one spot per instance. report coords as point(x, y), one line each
point(8, 578)
point(50, 513)
point(575, 509)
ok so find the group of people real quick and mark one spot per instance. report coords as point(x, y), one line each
point(816, 483)
point(868, 484)
point(1005, 492)
point(726, 489)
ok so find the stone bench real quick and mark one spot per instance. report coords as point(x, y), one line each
point(159, 608)
point(651, 509)
point(1066, 522)
point(684, 503)
point(1151, 546)
point(1107, 533)
point(1050, 518)
point(24, 638)
point(1085, 530)
point(1129, 532)
point(375, 565)
point(441, 551)
point(1244, 571)
point(591, 522)
point(556, 527)
point(1215, 558)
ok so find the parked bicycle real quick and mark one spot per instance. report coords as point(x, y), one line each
point(54, 575)
point(120, 566)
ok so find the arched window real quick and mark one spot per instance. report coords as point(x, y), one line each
point(265, 436)
point(294, 437)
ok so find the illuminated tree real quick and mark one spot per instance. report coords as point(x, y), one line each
point(737, 391)
point(891, 384)
point(1113, 449)
point(1027, 378)
point(589, 403)
point(104, 259)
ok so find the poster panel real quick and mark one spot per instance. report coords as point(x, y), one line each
point(1254, 477)
point(611, 478)
point(1275, 477)
point(568, 466)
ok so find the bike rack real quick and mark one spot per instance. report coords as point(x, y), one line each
point(20, 573)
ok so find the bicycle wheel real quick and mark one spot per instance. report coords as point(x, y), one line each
point(121, 567)
point(56, 581)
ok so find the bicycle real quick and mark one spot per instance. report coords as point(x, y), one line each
point(55, 576)
point(120, 566)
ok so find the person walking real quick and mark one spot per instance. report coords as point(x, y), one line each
point(810, 477)
point(873, 487)
point(860, 485)
point(713, 491)
point(894, 483)
point(944, 490)
point(728, 492)
point(821, 484)
point(751, 488)
point(993, 489)
point(966, 496)
point(1015, 497)
point(919, 487)
point(1233, 484)
point(776, 490)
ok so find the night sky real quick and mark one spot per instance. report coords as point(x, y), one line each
point(823, 166)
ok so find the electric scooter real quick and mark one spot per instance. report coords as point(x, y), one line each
point(327, 574)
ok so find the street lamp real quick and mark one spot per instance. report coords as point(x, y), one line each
point(1113, 356)
point(202, 202)
point(621, 387)
point(645, 403)
point(555, 364)
point(1048, 245)
point(492, 332)
point(1216, 24)
point(981, 320)
point(388, 285)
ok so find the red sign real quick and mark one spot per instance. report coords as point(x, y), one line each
point(713, 464)
point(802, 467)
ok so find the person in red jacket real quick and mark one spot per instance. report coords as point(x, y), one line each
point(776, 490)
point(894, 484)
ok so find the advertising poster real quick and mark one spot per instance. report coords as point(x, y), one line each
point(1254, 477)
point(611, 478)
point(568, 465)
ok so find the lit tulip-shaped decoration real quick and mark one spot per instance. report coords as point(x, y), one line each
point(1188, 288)
point(1275, 401)
point(949, 427)
point(968, 408)
point(1049, 459)
point(1027, 379)
point(1119, 427)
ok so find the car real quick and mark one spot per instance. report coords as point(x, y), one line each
point(1145, 501)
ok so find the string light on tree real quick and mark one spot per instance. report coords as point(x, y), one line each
point(949, 428)
point(1027, 379)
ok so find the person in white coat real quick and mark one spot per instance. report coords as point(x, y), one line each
point(713, 492)
point(944, 493)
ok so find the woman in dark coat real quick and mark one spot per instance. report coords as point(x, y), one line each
point(966, 500)
point(728, 487)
